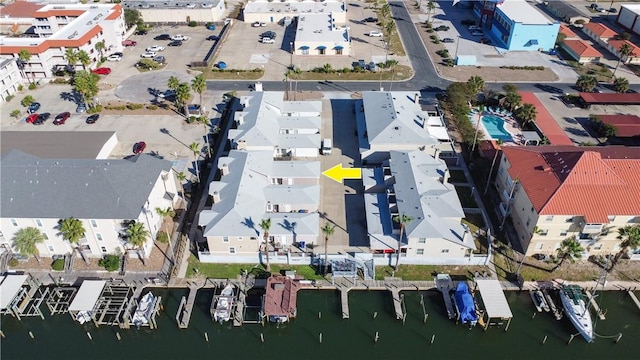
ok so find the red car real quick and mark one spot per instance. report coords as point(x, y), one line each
point(102, 71)
point(32, 118)
point(61, 118)
point(129, 43)
point(139, 147)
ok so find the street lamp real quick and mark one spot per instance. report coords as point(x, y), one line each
point(455, 58)
point(291, 55)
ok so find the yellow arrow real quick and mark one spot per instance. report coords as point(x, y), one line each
point(338, 173)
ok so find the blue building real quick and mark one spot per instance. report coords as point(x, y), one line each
point(516, 25)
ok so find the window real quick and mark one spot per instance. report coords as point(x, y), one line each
point(232, 250)
point(50, 248)
point(549, 218)
point(338, 51)
point(225, 239)
point(14, 222)
point(420, 252)
point(45, 236)
point(444, 251)
point(99, 237)
point(104, 249)
point(94, 223)
point(239, 238)
point(38, 222)
point(254, 238)
point(305, 51)
point(422, 240)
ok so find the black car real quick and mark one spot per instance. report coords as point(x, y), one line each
point(162, 37)
point(93, 118)
point(268, 34)
point(175, 43)
point(371, 19)
point(42, 118)
point(142, 32)
point(212, 38)
point(442, 28)
point(468, 22)
point(448, 40)
point(33, 107)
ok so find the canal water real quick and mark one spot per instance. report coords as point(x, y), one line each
point(59, 337)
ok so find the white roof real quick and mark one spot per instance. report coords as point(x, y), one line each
point(87, 296)
point(493, 298)
point(632, 7)
point(9, 289)
point(313, 28)
point(521, 12)
point(293, 7)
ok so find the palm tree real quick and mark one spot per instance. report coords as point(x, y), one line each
point(569, 249)
point(389, 26)
point(84, 59)
point(327, 230)
point(137, 236)
point(630, 239)
point(476, 83)
point(401, 219)
point(385, 11)
point(173, 83)
point(586, 83)
point(195, 148)
point(199, 85)
point(621, 85)
point(24, 56)
point(205, 122)
point(168, 212)
point(527, 113)
point(513, 100)
point(183, 94)
point(430, 7)
point(99, 46)
point(71, 230)
point(72, 58)
point(392, 64)
point(265, 225)
point(25, 241)
point(625, 50)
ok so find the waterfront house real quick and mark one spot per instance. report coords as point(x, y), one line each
point(550, 193)
point(254, 187)
point(289, 129)
point(103, 194)
point(414, 183)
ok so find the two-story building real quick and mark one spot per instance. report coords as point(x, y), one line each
point(414, 183)
point(104, 194)
point(289, 129)
point(254, 187)
point(321, 34)
point(58, 27)
point(10, 78)
point(551, 193)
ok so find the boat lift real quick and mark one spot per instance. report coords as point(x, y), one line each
point(102, 302)
point(21, 295)
point(497, 309)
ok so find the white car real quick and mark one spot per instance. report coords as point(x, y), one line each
point(155, 48)
point(179, 37)
point(256, 24)
point(149, 55)
point(114, 57)
point(266, 40)
point(375, 33)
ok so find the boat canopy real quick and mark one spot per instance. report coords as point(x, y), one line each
point(494, 300)
point(9, 289)
point(87, 295)
point(465, 302)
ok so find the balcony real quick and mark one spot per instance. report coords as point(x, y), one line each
point(592, 228)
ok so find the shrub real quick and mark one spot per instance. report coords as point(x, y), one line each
point(429, 31)
point(27, 100)
point(58, 264)
point(444, 53)
point(20, 87)
point(9, 98)
point(436, 41)
point(152, 107)
point(449, 62)
point(433, 37)
point(193, 23)
point(191, 119)
point(13, 262)
point(162, 237)
point(32, 86)
point(59, 81)
point(110, 262)
point(94, 109)
point(346, 70)
point(135, 106)
point(15, 113)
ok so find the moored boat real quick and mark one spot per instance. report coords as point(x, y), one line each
point(224, 304)
point(577, 310)
point(143, 312)
point(465, 305)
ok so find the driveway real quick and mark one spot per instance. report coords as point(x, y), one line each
point(142, 87)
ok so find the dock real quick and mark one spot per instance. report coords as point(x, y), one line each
point(186, 306)
point(634, 298)
point(344, 300)
point(444, 284)
point(593, 302)
point(397, 303)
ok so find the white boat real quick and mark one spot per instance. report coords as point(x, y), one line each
point(539, 301)
point(278, 319)
point(143, 312)
point(83, 317)
point(577, 310)
point(224, 305)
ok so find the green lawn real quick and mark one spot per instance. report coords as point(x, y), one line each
point(402, 72)
point(231, 271)
point(427, 272)
point(464, 193)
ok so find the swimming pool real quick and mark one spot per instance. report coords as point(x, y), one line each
point(495, 127)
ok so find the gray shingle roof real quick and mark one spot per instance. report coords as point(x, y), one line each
point(88, 189)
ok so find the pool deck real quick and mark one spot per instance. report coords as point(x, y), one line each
point(510, 125)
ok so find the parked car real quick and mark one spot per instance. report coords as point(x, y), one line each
point(175, 43)
point(142, 32)
point(42, 118)
point(371, 19)
point(468, 22)
point(162, 37)
point(212, 38)
point(114, 57)
point(129, 43)
point(372, 66)
point(93, 118)
point(33, 107)
point(442, 28)
point(180, 37)
point(613, 10)
point(149, 55)
point(168, 95)
point(102, 71)
point(32, 118)
point(266, 40)
point(268, 34)
point(477, 33)
point(81, 108)
point(139, 147)
point(154, 48)
point(485, 40)
point(256, 24)
point(159, 59)
point(61, 118)
point(448, 40)
point(375, 33)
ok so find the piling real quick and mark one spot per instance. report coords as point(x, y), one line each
point(118, 336)
point(426, 316)
point(320, 338)
point(261, 337)
point(544, 340)
point(375, 314)
point(376, 338)
point(31, 335)
point(2, 334)
point(319, 315)
point(570, 339)
point(206, 337)
point(433, 338)
point(89, 336)
point(533, 316)
point(619, 337)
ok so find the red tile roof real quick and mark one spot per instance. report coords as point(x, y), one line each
point(611, 98)
point(280, 297)
point(600, 30)
point(545, 121)
point(627, 125)
point(617, 44)
point(593, 182)
point(564, 29)
point(21, 9)
point(581, 48)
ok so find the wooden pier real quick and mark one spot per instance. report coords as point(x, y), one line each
point(634, 298)
point(397, 302)
point(593, 302)
point(344, 300)
point(186, 307)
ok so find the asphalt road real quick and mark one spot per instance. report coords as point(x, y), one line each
point(426, 78)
